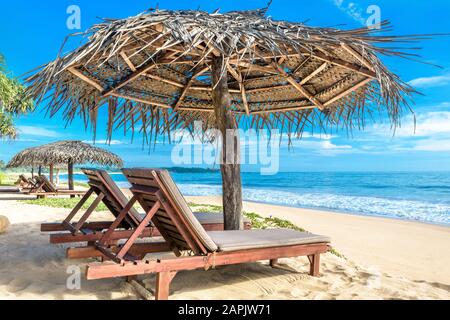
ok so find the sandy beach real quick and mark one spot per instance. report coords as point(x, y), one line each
point(415, 250)
point(385, 259)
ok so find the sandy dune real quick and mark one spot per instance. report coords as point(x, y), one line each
point(31, 268)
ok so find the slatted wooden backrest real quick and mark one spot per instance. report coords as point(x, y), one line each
point(113, 199)
point(148, 189)
point(34, 184)
point(47, 186)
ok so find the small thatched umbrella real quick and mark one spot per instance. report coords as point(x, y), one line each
point(65, 153)
point(24, 158)
point(164, 70)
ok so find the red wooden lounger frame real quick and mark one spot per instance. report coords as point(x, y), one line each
point(127, 260)
point(44, 188)
point(84, 231)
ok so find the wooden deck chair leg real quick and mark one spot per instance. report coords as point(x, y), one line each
point(314, 261)
point(88, 212)
point(39, 188)
point(144, 223)
point(163, 280)
point(274, 263)
point(106, 237)
point(78, 207)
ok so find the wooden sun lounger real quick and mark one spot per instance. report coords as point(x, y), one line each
point(23, 181)
point(26, 184)
point(106, 190)
point(44, 188)
point(164, 205)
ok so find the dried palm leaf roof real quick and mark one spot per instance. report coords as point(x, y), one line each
point(153, 72)
point(24, 158)
point(62, 152)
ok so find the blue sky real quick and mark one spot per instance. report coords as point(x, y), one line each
point(32, 33)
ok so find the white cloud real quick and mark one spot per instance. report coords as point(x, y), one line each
point(426, 145)
point(26, 140)
point(431, 134)
point(322, 147)
point(112, 142)
point(433, 123)
point(352, 9)
point(429, 124)
point(432, 145)
point(331, 146)
point(320, 136)
point(429, 82)
point(36, 131)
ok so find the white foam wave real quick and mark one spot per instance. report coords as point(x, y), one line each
point(403, 209)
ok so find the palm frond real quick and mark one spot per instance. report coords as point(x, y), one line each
point(153, 73)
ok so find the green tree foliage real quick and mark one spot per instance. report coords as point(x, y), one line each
point(13, 102)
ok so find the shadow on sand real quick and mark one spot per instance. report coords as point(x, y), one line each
point(32, 268)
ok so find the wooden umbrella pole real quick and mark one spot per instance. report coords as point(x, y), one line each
point(70, 175)
point(230, 166)
point(51, 173)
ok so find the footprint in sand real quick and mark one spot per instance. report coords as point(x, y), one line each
point(18, 285)
point(299, 293)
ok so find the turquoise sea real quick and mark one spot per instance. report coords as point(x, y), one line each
point(423, 196)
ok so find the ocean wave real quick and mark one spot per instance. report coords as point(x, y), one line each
point(433, 187)
point(403, 209)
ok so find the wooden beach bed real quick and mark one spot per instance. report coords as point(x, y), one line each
point(25, 184)
point(44, 188)
point(106, 190)
point(164, 205)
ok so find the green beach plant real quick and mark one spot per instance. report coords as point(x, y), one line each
point(66, 203)
point(2, 178)
point(258, 221)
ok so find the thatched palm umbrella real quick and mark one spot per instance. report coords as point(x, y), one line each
point(163, 70)
point(65, 153)
point(18, 160)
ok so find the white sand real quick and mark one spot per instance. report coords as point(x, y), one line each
point(415, 250)
point(31, 268)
